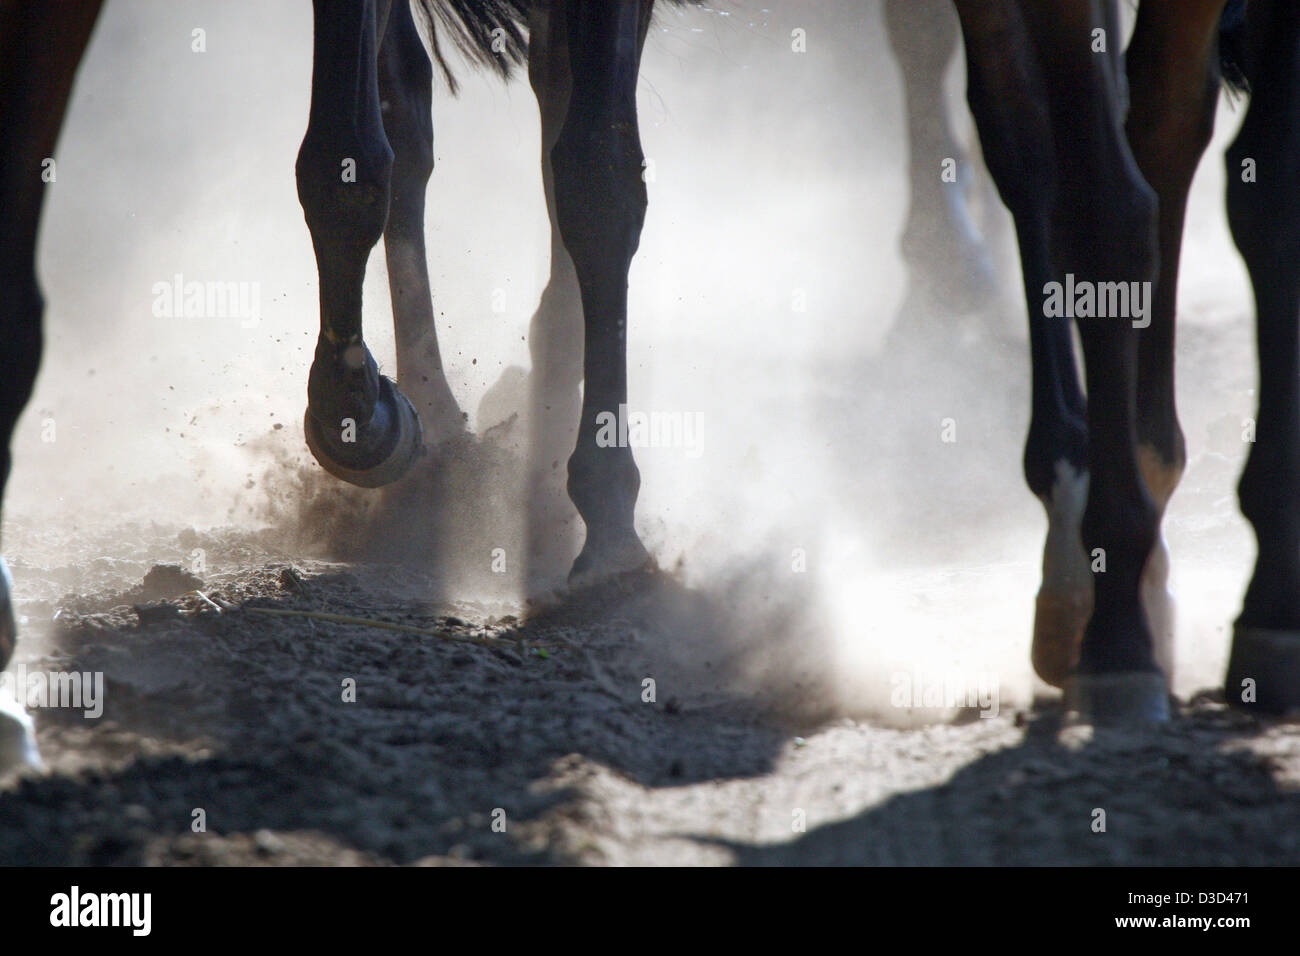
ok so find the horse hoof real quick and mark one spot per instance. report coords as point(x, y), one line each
point(17, 738)
point(8, 621)
point(599, 563)
point(1160, 607)
point(1129, 698)
point(1059, 621)
point(1264, 670)
point(381, 450)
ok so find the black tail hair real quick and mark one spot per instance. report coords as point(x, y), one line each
point(475, 27)
point(1232, 47)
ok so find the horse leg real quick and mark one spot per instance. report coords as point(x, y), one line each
point(1104, 230)
point(406, 102)
point(1173, 82)
point(1004, 91)
point(550, 392)
point(555, 333)
point(358, 425)
point(40, 48)
point(1264, 213)
point(600, 203)
point(947, 260)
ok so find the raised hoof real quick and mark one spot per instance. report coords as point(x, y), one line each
point(384, 448)
point(1271, 660)
point(597, 564)
point(1129, 698)
point(1059, 622)
point(17, 738)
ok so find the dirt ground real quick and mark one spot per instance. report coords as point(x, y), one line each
point(241, 715)
point(522, 733)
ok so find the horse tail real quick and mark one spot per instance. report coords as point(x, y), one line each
point(488, 33)
point(1233, 63)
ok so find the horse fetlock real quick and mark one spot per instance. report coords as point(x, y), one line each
point(1268, 484)
point(1120, 534)
point(21, 343)
point(599, 474)
point(1161, 472)
point(343, 384)
point(603, 485)
point(1264, 670)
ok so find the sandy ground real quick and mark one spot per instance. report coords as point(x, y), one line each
point(241, 715)
point(501, 732)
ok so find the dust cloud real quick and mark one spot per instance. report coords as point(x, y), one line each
point(851, 550)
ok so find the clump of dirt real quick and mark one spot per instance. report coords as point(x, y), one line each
point(165, 581)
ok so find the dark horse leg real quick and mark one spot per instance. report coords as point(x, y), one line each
point(406, 103)
point(41, 43)
point(948, 262)
point(1103, 227)
point(1112, 225)
point(1173, 78)
point(1264, 213)
point(358, 425)
point(555, 332)
point(600, 203)
point(1004, 90)
point(1104, 230)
